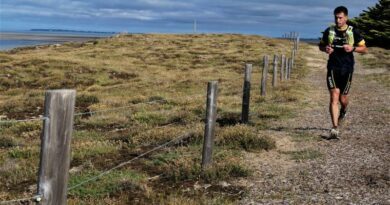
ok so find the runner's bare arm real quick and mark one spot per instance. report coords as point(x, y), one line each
point(360, 48)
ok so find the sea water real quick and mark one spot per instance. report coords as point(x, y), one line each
point(14, 39)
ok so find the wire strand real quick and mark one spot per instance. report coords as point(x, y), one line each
point(128, 162)
point(118, 108)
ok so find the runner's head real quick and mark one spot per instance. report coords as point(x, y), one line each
point(340, 16)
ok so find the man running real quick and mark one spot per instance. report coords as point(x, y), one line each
point(340, 41)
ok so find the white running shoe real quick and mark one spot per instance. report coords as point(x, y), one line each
point(334, 133)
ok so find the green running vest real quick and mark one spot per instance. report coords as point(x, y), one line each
point(349, 32)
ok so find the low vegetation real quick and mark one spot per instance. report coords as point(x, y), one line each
point(376, 62)
point(135, 92)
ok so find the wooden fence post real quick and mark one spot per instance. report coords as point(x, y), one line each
point(275, 71)
point(286, 69)
point(295, 43)
point(246, 94)
point(211, 115)
point(289, 68)
point(292, 59)
point(264, 76)
point(282, 65)
point(55, 146)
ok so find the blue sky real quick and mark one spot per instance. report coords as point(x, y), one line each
point(263, 17)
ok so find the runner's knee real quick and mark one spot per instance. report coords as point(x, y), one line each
point(334, 96)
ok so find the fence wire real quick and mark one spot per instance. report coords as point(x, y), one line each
point(80, 114)
point(128, 162)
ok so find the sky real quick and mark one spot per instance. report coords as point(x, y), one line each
point(262, 17)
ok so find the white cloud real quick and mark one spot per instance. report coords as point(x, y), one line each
point(216, 14)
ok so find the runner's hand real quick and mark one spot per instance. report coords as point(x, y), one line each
point(329, 49)
point(348, 48)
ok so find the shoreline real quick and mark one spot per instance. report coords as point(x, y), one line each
point(13, 40)
point(46, 37)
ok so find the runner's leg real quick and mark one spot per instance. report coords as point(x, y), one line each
point(344, 101)
point(344, 87)
point(334, 105)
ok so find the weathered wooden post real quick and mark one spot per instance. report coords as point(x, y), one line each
point(292, 58)
point(211, 115)
point(264, 76)
point(55, 146)
point(295, 42)
point(282, 65)
point(286, 69)
point(289, 68)
point(246, 94)
point(275, 71)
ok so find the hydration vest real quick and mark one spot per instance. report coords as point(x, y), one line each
point(349, 36)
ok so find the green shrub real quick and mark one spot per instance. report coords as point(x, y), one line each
point(6, 142)
point(23, 153)
point(191, 170)
point(111, 183)
point(22, 127)
point(86, 100)
point(245, 137)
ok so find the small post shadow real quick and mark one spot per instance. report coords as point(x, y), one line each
point(311, 128)
point(327, 137)
point(228, 121)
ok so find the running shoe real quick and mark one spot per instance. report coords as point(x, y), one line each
point(334, 133)
point(343, 114)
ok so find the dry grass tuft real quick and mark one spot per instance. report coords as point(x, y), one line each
point(245, 137)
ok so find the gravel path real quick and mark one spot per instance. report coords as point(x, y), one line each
point(352, 170)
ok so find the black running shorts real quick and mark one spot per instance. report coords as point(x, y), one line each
point(340, 80)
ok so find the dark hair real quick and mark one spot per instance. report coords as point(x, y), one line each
point(340, 9)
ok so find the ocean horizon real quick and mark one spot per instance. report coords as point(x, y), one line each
point(16, 39)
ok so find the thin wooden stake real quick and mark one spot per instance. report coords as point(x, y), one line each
point(275, 71)
point(292, 59)
point(246, 94)
point(286, 69)
point(211, 115)
point(289, 68)
point(264, 76)
point(282, 65)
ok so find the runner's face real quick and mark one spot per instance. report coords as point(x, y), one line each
point(340, 19)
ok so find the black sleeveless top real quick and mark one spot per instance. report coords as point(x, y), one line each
point(340, 59)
